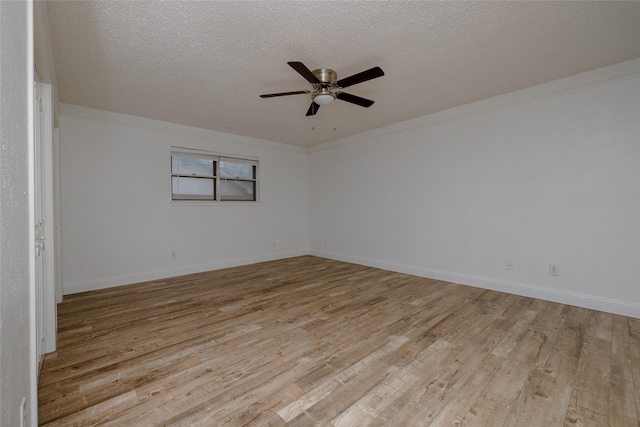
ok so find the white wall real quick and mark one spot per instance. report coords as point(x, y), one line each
point(545, 175)
point(119, 226)
point(17, 373)
point(43, 53)
point(550, 174)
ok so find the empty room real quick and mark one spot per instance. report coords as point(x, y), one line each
point(320, 213)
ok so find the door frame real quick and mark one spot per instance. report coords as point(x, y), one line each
point(44, 161)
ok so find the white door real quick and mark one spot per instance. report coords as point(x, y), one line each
point(46, 315)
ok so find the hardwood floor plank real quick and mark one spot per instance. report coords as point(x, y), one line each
point(623, 405)
point(550, 382)
point(308, 341)
point(633, 326)
point(498, 396)
point(590, 403)
point(418, 390)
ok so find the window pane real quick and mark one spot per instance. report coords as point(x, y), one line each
point(237, 170)
point(192, 188)
point(192, 165)
point(237, 190)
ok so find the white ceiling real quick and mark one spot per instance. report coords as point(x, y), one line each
point(204, 64)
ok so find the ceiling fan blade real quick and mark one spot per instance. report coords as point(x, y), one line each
point(369, 74)
point(297, 92)
point(304, 71)
point(363, 102)
point(313, 109)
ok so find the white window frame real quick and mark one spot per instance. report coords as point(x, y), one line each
point(217, 177)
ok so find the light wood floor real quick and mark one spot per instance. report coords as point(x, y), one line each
point(308, 341)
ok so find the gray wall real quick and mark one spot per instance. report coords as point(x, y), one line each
point(546, 175)
point(14, 211)
point(120, 226)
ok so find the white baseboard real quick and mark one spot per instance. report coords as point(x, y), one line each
point(127, 279)
point(623, 308)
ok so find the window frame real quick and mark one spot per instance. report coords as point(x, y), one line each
point(217, 177)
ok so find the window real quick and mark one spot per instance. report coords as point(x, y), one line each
point(193, 177)
point(238, 179)
point(197, 176)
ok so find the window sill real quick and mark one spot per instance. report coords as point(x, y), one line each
point(201, 203)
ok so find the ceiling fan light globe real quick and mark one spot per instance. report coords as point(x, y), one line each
point(324, 98)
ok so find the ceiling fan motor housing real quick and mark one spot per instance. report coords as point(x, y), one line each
point(325, 75)
point(323, 94)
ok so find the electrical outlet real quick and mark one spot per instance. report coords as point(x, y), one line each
point(509, 265)
point(174, 255)
point(554, 270)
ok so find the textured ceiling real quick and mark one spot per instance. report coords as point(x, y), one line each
point(204, 64)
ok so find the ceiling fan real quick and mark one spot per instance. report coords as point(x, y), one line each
point(326, 88)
